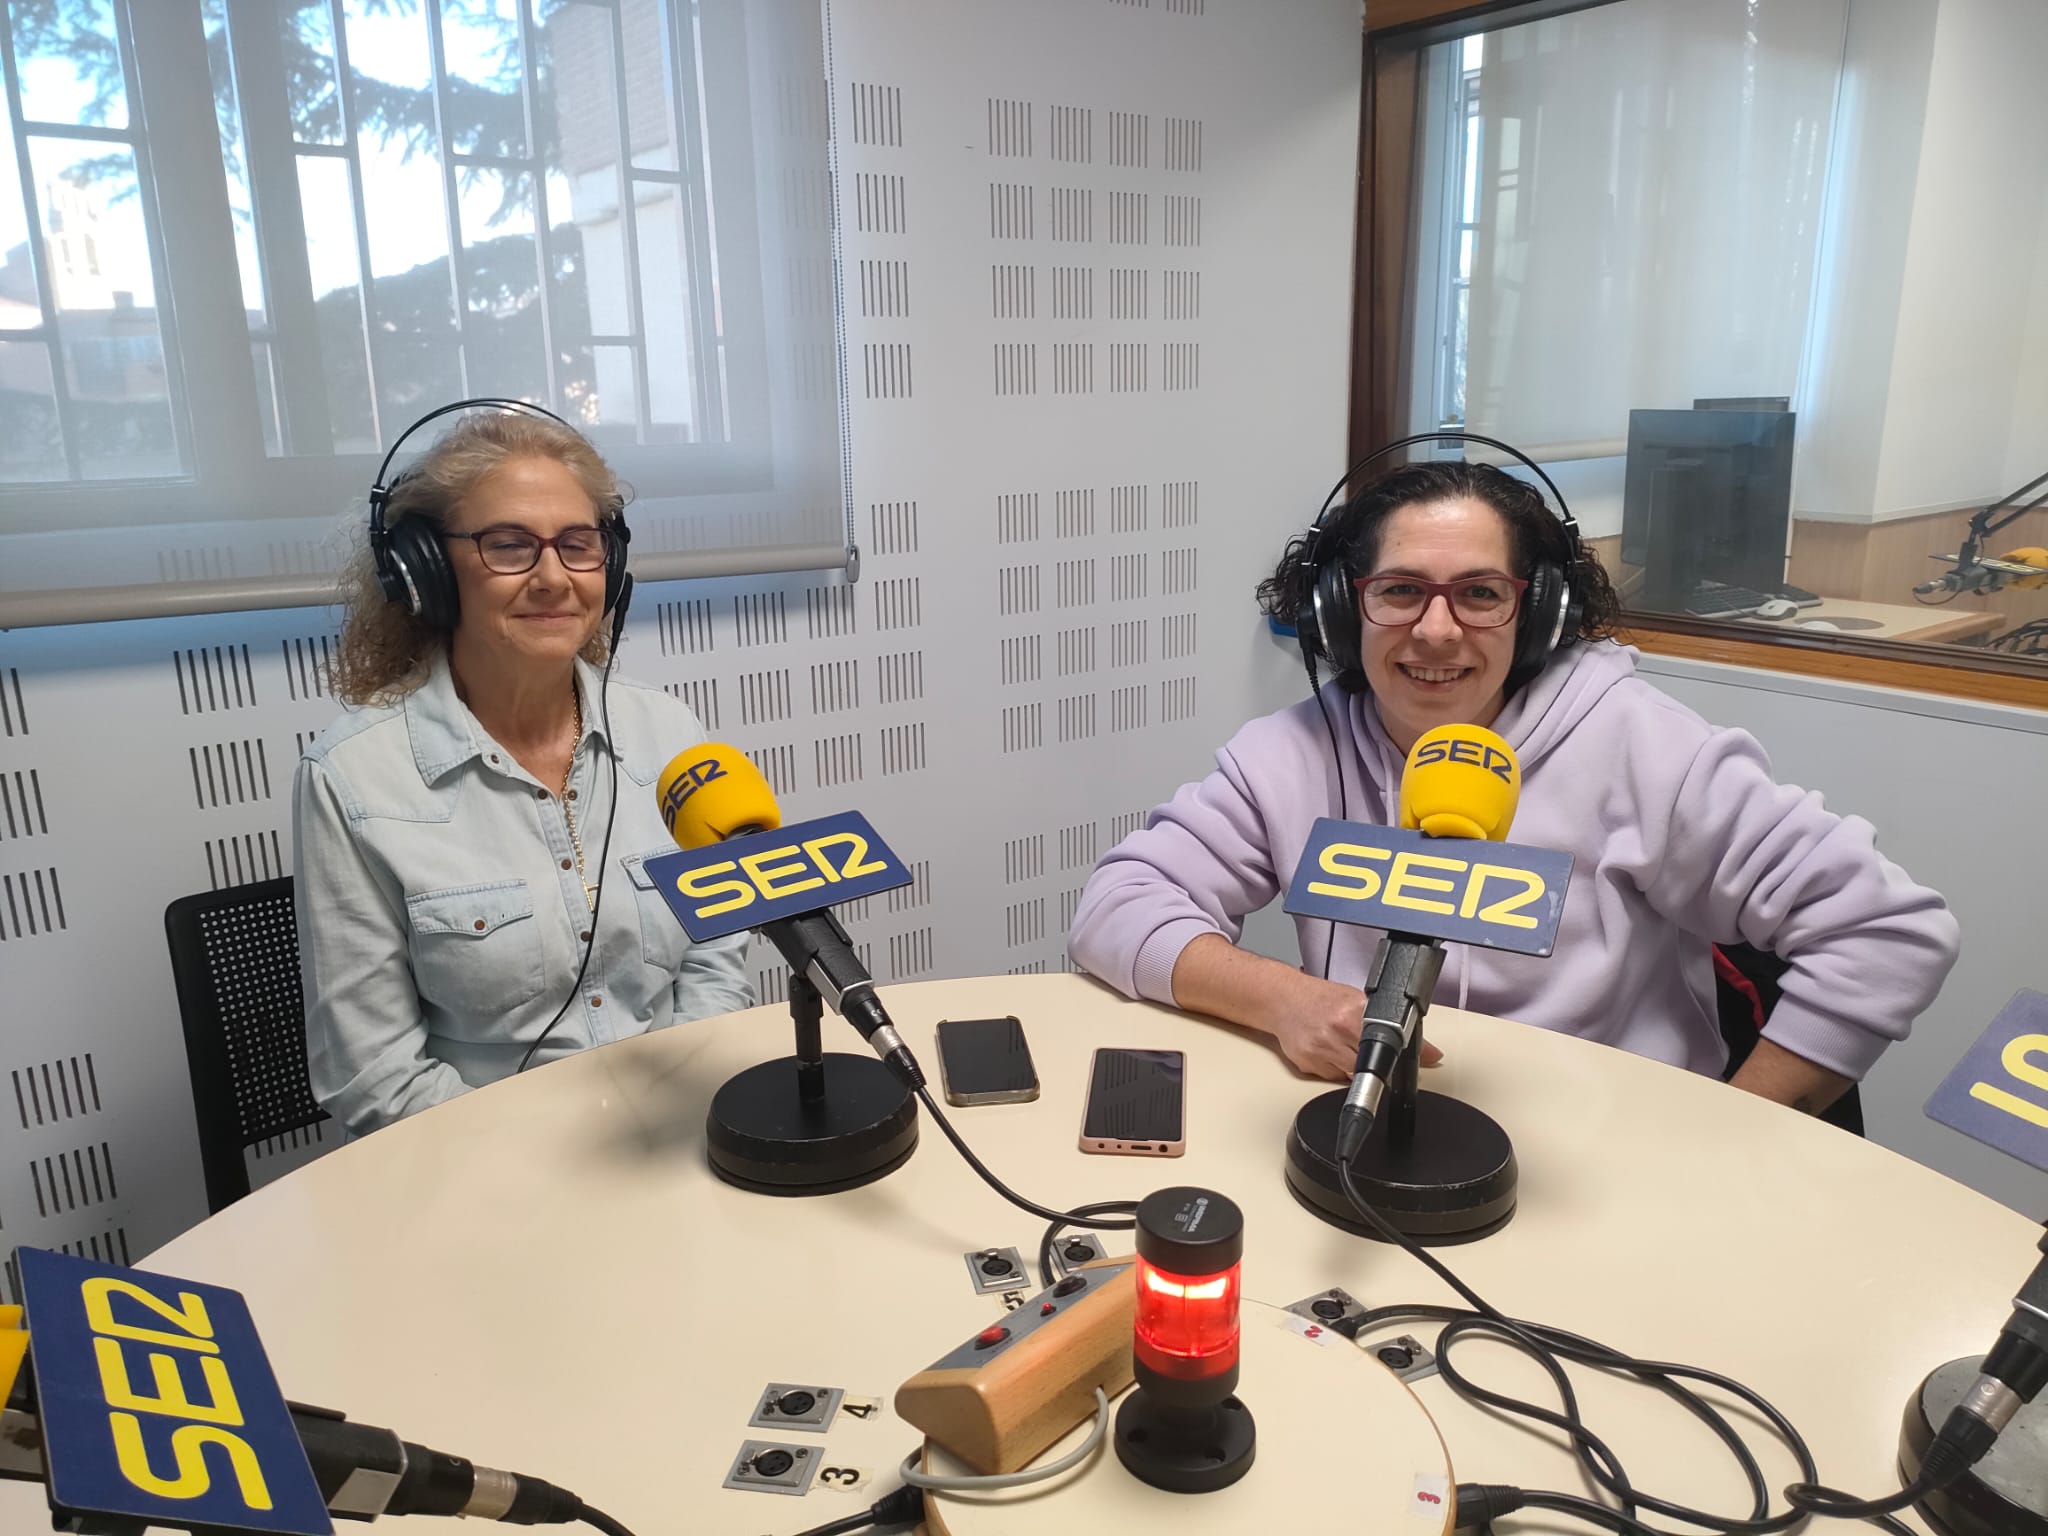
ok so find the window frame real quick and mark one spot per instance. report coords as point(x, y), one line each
point(49, 331)
point(1397, 34)
point(204, 324)
point(1461, 112)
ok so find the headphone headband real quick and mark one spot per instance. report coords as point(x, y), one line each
point(1564, 513)
point(381, 492)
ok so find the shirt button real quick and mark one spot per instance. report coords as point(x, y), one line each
point(583, 937)
point(572, 794)
point(597, 1002)
point(565, 863)
point(494, 757)
point(540, 794)
point(479, 925)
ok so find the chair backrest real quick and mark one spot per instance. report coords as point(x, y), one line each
point(1746, 987)
point(235, 957)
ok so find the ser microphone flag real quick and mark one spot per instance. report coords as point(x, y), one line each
point(1998, 1092)
point(742, 868)
point(1444, 873)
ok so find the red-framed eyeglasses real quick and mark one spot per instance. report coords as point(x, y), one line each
point(1477, 602)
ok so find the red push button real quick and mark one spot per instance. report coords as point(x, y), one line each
point(991, 1336)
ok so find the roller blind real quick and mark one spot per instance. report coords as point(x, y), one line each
point(244, 243)
point(1645, 218)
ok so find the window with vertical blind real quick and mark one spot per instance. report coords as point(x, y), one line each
point(1638, 208)
point(245, 243)
point(1723, 266)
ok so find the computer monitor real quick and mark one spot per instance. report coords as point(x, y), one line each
point(1707, 497)
point(1745, 403)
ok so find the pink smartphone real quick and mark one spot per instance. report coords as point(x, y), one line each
point(1136, 1103)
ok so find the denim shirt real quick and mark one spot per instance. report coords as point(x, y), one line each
point(440, 914)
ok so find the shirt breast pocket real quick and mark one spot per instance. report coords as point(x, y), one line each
point(663, 944)
point(475, 951)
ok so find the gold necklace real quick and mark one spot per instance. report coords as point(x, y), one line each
point(568, 810)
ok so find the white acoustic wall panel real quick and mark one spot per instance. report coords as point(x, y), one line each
point(1095, 281)
point(142, 762)
point(1116, 295)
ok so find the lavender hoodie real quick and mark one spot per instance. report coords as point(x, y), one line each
point(1680, 839)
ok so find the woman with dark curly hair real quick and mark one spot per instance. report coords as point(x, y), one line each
point(1680, 837)
point(454, 830)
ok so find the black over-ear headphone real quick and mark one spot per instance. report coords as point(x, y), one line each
point(412, 562)
point(1328, 626)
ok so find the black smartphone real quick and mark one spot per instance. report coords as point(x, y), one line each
point(986, 1061)
point(1136, 1103)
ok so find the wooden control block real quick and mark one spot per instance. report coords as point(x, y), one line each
point(1006, 1394)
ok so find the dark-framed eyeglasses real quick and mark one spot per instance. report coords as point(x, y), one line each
point(1477, 602)
point(510, 551)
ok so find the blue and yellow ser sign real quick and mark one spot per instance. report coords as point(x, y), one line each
point(744, 882)
point(158, 1402)
point(1501, 895)
point(1998, 1092)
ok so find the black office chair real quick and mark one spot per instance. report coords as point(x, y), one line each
point(235, 956)
point(1746, 988)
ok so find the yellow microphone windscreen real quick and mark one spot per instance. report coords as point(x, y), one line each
point(2038, 558)
point(1460, 781)
point(713, 792)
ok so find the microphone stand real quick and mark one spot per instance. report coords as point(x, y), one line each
point(1437, 1169)
point(807, 1012)
point(810, 1123)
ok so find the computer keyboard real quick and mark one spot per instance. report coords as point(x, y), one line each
point(1711, 600)
point(1722, 602)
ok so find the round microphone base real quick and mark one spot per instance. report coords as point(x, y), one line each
point(1452, 1183)
point(762, 1136)
point(2005, 1494)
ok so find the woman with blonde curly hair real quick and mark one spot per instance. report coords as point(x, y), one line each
point(448, 879)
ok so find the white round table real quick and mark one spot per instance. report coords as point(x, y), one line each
point(545, 1276)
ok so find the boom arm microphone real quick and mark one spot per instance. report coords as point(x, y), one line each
point(1972, 572)
point(714, 792)
point(2025, 568)
point(1968, 575)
